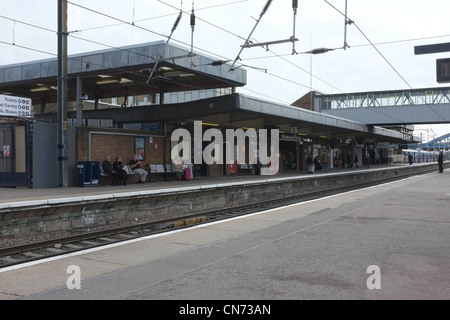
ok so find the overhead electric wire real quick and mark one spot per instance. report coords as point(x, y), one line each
point(298, 67)
point(262, 13)
point(26, 23)
point(145, 29)
point(264, 10)
point(122, 22)
point(256, 68)
point(215, 26)
point(372, 44)
point(155, 67)
point(53, 31)
point(28, 48)
point(192, 87)
point(133, 24)
point(401, 41)
point(82, 39)
point(113, 18)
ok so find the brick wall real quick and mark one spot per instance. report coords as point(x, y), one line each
point(116, 142)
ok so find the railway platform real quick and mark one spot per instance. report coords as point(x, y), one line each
point(23, 195)
point(385, 242)
point(26, 212)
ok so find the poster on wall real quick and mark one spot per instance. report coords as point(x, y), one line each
point(15, 106)
point(139, 147)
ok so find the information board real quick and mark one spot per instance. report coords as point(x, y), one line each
point(443, 70)
point(15, 106)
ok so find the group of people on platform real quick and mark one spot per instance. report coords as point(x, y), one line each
point(117, 172)
point(318, 163)
point(119, 175)
point(322, 163)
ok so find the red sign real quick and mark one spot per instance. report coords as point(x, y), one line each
point(6, 151)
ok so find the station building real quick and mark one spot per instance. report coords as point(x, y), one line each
point(126, 101)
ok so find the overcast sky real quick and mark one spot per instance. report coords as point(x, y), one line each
point(381, 40)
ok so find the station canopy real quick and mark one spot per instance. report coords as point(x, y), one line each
point(145, 69)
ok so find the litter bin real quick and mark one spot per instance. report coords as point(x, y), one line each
point(88, 173)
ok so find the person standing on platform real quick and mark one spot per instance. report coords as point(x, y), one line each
point(317, 164)
point(325, 161)
point(310, 163)
point(291, 160)
point(135, 165)
point(356, 161)
point(367, 160)
point(343, 163)
point(441, 161)
point(349, 160)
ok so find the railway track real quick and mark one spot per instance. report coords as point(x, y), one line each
point(14, 255)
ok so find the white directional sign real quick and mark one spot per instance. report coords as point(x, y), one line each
point(15, 106)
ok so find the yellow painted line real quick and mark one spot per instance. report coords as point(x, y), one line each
point(186, 222)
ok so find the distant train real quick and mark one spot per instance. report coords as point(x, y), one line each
point(419, 156)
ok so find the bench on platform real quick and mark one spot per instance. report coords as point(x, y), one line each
point(247, 168)
point(157, 169)
point(106, 179)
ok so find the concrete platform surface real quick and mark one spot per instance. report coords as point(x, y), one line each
point(9, 195)
point(390, 241)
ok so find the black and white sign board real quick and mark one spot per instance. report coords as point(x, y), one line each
point(15, 106)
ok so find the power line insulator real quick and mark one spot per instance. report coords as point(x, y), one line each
point(319, 50)
point(176, 22)
point(193, 20)
point(218, 62)
point(266, 7)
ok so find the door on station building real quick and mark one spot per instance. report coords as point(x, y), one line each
point(287, 147)
point(15, 156)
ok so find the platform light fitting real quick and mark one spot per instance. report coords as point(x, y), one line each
point(108, 81)
point(114, 80)
point(43, 88)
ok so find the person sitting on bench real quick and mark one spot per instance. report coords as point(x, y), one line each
point(120, 171)
point(109, 170)
point(135, 165)
point(178, 166)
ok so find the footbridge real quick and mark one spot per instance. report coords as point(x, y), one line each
point(393, 107)
point(440, 143)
